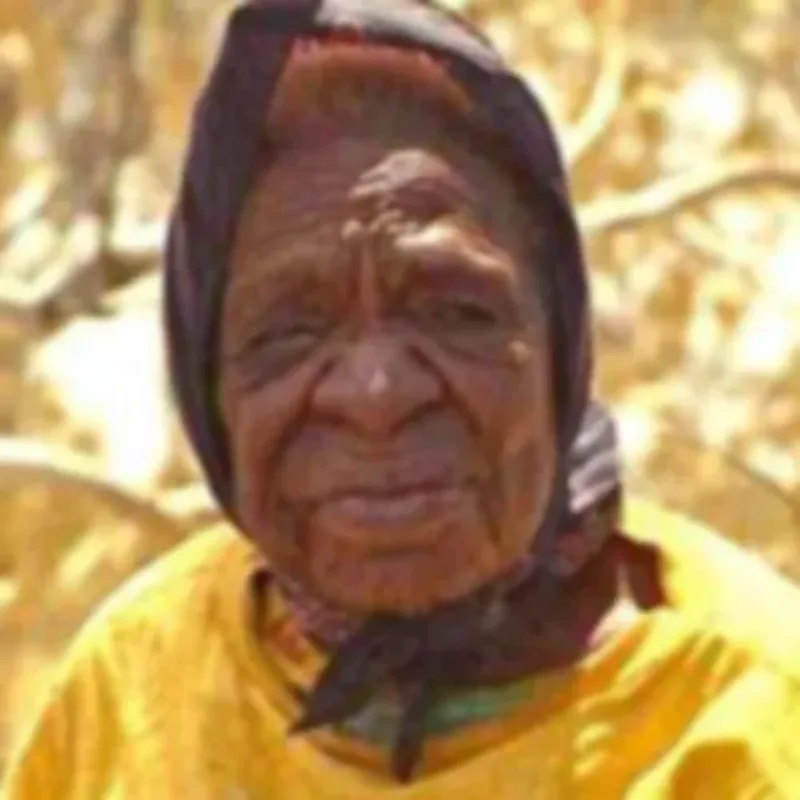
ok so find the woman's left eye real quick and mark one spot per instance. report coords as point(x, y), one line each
point(465, 312)
point(293, 332)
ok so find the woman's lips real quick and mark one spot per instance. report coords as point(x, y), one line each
point(400, 519)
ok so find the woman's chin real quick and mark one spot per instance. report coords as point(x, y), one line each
point(403, 581)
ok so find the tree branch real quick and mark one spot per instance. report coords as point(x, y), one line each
point(31, 461)
point(671, 194)
point(701, 237)
point(607, 93)
point(122, 45)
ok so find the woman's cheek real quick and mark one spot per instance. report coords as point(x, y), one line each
point(506, 398)
point(530, 413)
point(261, 422)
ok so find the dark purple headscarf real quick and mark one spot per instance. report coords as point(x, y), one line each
point(228, 146)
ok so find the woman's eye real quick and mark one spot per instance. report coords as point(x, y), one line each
point(465, 312)
point(294, 333)
point(277, 348)
point(289, 336)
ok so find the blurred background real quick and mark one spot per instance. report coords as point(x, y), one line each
point(681, 124)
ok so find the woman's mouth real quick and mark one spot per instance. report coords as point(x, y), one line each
point(393, 519)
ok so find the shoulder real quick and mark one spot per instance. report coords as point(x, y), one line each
point(132, 668)
point(198, 565)
point(722, 586)
point(743, 743)
point(170, 604)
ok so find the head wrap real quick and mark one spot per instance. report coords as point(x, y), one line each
point(227, 147)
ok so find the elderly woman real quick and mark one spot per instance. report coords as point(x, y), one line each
point(377, 319)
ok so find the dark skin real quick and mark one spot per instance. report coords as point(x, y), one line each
point(385, 375)
point(386, 387)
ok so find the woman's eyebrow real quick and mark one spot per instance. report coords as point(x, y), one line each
point(291, 257)
point(453, 249)
point(280, 264)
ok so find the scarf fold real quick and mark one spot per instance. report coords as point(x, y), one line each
point(227, 147)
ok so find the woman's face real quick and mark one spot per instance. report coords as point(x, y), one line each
point(385, 375)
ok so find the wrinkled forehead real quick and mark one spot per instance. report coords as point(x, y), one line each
point(354, 179)
point(357, 129)
point(310, 198)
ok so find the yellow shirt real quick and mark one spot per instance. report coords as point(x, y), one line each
point(168, 694)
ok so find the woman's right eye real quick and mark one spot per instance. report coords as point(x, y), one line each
point(292, 334)
point(280, 345)
point(466, 313)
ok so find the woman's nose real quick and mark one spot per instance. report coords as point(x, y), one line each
point(375, 386)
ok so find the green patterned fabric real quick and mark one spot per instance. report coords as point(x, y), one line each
point(377, 723)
